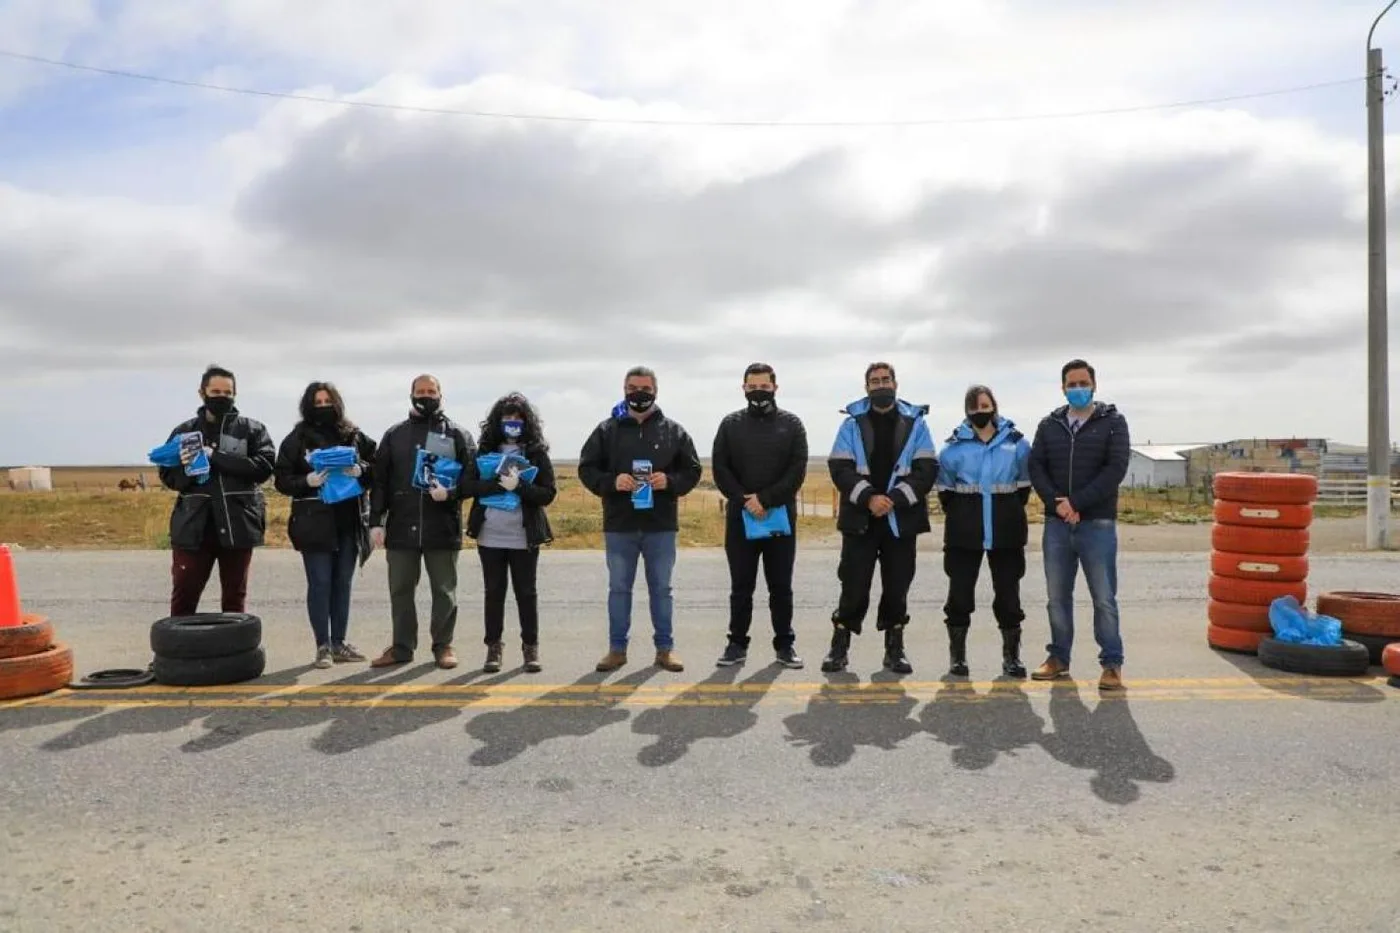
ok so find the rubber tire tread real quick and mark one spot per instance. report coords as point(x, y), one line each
point(36, 674)
point(1266, 488)
point(1290, 569)
point(1284, 542)
point(1362, 612)
point(1375, 644)
point(1348, 659)
point(210, 672)
point(33, 635)
point(205, 635)
point(1235, 640)
point(1254, 592)
point(1229, 512)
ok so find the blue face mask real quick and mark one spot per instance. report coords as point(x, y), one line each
point(1079, 396)
point(513, 428)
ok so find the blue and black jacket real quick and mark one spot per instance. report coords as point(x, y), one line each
point(915, 470)
point(1087, 467)
point(983, 488)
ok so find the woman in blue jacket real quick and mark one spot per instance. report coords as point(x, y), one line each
point(983, 485)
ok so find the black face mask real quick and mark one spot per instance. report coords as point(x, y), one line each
point(980, 419)
point(425, 405)
point(323, 415)
point(882, 398)
point(760, 400)
point(640, 400)
point(218, 405)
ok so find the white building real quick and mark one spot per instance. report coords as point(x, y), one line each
point(1157, 465)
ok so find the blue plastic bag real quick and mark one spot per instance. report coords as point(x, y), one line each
point(168, 455)
point(774, 524)
point(1294, 624)
point(427, 467)
point(339, 485)
point(490, 466)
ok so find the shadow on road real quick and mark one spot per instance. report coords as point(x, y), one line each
point(701, 713)
point(1105, 740)
point(1337, 690)
point(567, 711)
point(843, 715)
point(980, 726)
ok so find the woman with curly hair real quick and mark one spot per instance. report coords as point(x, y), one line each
point(509, 523)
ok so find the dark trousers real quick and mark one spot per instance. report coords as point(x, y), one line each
point(517, 567)
point(190, 570)
point(329, 576)
point(860, 554)
point(963, 566)
point(778, 555)
point(405, 570)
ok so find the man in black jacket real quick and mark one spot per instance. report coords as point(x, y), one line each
point(222, 519)
point(760, 462)
point(1078, 459)
point(421, 528)
point(884, 464)
point(639, 462)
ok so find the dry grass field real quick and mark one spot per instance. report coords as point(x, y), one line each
point(86, 510)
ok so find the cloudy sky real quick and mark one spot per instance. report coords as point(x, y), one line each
point(1209, 259)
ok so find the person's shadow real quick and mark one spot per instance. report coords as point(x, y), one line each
point(1106, 741)
point(703, 712)
point(979, 726)
point(1324, 689)
point(579, 709)
point(843, 715)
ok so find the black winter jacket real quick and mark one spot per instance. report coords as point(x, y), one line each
point(231, 503)
point(535, 497)
point(409, 516)
point(610, 450)
point(760, 453)
point(1087, 467)
point(313, 525)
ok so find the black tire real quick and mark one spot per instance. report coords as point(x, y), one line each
point(210, 672)
point(206, 635)
point(114, 679)
point(1375, 644)
point(1349, 659)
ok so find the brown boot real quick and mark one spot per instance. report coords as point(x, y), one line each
point(1052, 669)
point(669, 661)
point(612, 661)
point(532, 658)
point(495, 653)
point(446, 658)
point(388, 659)
point(1111, 680)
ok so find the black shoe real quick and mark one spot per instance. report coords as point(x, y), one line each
point(1011, 664)
point(787, 657)
point(957, 650)
point(895, 661)
point(839, 656)
point(733, 654)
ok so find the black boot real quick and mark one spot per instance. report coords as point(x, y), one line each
point(1011, 664)
point(894, 651)
point(839, 656)
point(957, 650)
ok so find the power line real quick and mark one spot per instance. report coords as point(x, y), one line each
point(641, 121)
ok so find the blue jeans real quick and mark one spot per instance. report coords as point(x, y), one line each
point(329, 575)
point(624, 548)
point(1094, 546)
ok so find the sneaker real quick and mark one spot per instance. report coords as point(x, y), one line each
point(733, 654)
point(787, 657)
point(323, 657)
point(1111, 680)
point(342, 654)
point(1052, 669)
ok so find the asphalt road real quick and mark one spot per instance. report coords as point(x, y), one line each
point(1217, 795)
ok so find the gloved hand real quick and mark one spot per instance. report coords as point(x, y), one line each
point(315, 480)
point(438, 492)
point(354, 471)
point(376, 537)
point(509, 479)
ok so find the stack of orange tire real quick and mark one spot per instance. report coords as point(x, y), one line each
point(31, 662)
point(1259, 552)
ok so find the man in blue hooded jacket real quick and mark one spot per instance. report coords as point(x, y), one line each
point(884, 464)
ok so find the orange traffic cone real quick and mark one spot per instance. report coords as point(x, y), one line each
point(9, 590)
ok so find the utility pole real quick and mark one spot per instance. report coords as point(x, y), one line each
point(1377, 339)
